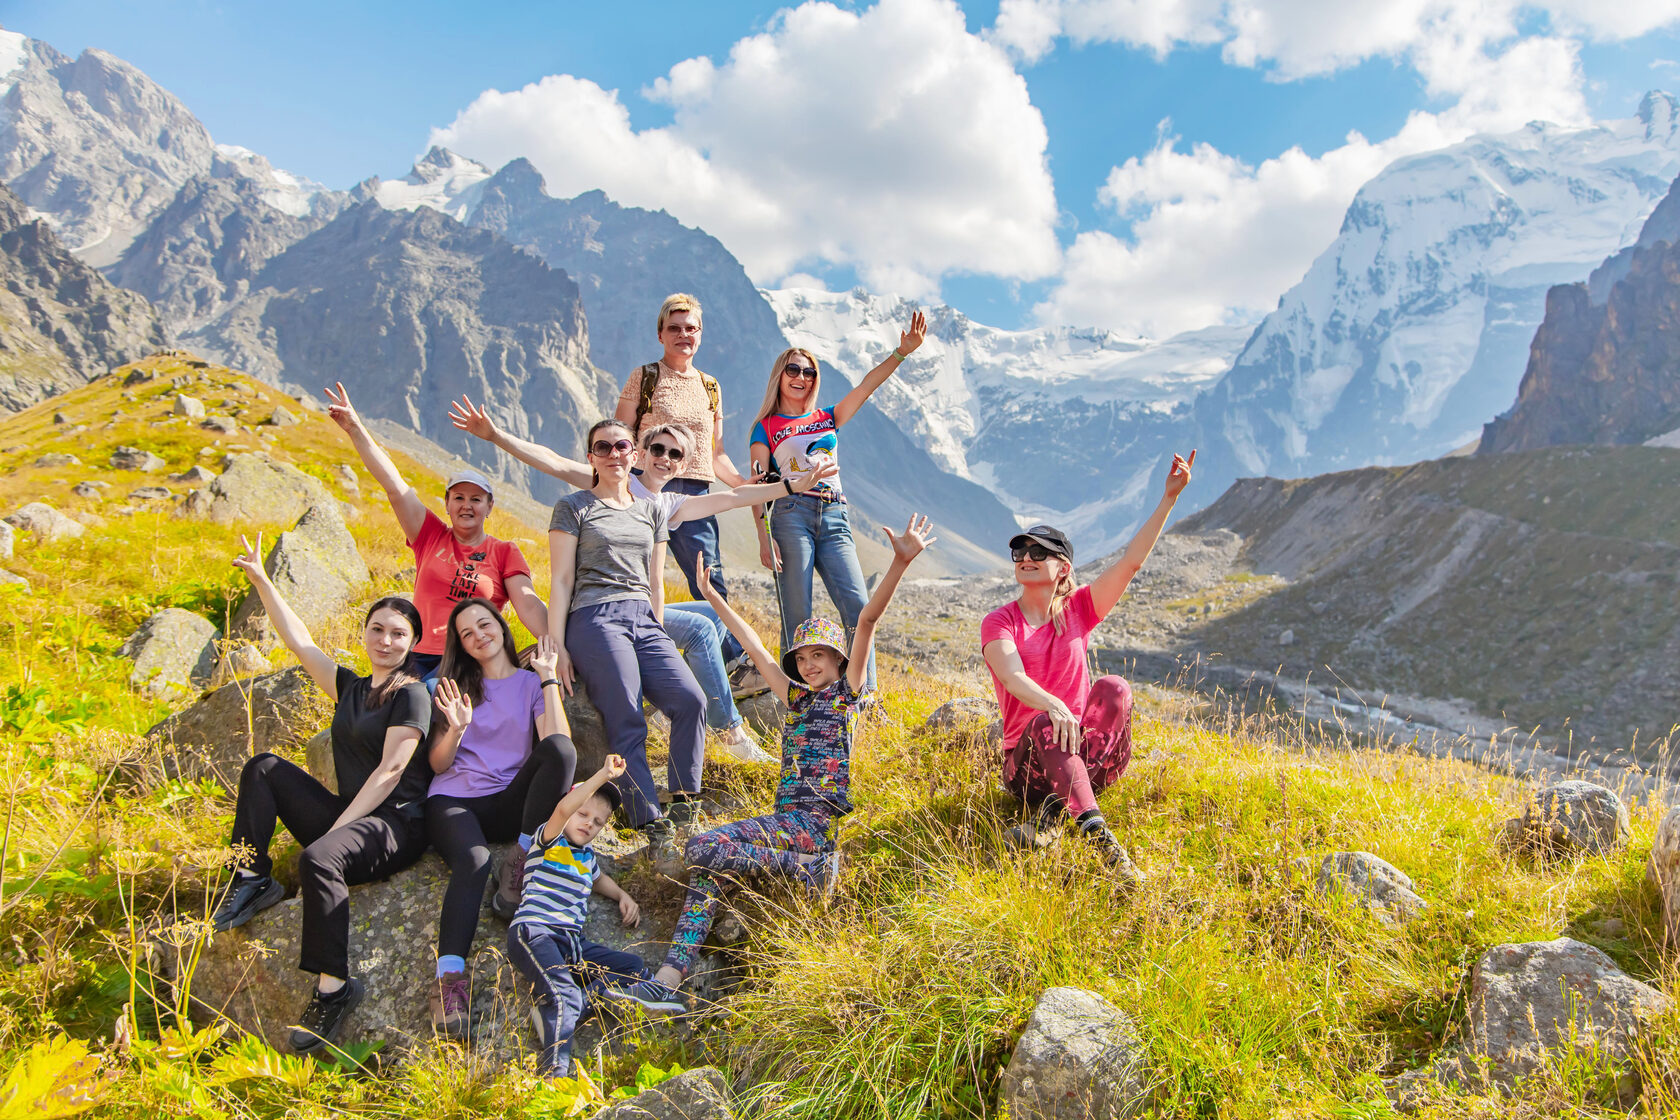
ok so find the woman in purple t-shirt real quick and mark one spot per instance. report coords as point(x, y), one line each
point(502, 757)
point(1064, 738)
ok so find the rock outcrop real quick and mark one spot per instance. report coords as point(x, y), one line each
point(1662, 871)
point(1080, 1058)
point(259, 490)
point(1379, 886)
point(216, 736)
point(696, 1094)
point(45, 522)
point(61, 323)
point(1569, 818)
point(174, 652)
point(315, 567)
point(126, 458)
point(1530, 1000)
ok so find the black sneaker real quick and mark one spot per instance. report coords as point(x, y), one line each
point(650, 994)
point(1039, 827)
point(325, 1015)
point(245, 898)
point(683, 812)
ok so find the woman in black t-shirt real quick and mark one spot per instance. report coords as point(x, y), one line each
point(373, 827)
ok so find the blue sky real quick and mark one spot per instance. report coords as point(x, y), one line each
point(339, 92)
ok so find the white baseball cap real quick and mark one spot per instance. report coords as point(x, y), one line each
point(471, 476)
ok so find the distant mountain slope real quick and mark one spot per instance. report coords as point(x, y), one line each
point(1541, 585)
point(61, 323)
point(1413, 327)
point(410, 310)
point(92, 144)
point(1605, 364)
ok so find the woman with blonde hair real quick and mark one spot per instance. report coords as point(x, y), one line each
point(811, 533)
point(1065, 738)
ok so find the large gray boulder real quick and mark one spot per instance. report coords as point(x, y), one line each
point(258, 489)
point(1530, 1000)
point(251, 974)
point(1080, 1058)
point(315, 567)
point(8, 540)
point(1379, 886)
point(1571, 817)
point(45, 522)
point(1662, 871)
point(696, 1094)
point(174, 651)
point(127, 458)
point(961, 712)
point(216, 736)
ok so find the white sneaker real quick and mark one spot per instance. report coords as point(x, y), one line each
point(743, 748)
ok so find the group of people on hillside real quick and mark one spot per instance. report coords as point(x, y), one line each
point(453, 740)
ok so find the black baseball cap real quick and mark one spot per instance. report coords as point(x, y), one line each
point(610, 791)
point(1053, 539)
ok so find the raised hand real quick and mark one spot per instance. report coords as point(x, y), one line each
point(912, 338)
point(909, 545)
point(546, 659)
point(250, 561)
point(453, 705)
point(339, 408)
point(471, 419)
point(613, 767)
point(1179, 476)
point(703, 579)
point(824, 468)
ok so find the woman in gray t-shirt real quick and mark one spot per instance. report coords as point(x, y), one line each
point(607, 552)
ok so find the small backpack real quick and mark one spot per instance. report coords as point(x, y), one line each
point(650, 378)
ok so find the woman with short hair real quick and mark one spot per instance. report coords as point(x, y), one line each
point(1065, 738)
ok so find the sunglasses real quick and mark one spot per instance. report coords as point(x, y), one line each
point(603, 448)
point(1034, 552)
point(660, 451)
point(799, 371)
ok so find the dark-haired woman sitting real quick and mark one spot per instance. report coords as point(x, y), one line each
point(491, 783)
point(370, 829)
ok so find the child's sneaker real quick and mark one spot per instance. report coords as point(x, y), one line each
point(324, 1017)
point(650, 994)
point(450, 1004)
point(1039, 827)
point(245, 898)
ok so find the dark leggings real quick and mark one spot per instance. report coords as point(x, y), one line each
point(462, 828)
point(271, 791)
point(1035, 768)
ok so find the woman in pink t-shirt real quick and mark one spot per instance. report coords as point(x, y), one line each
point(1065, 738)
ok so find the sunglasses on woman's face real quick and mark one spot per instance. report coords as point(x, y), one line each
point(799, 371)
point(1034, 552)
point(660, 451)
point(602, 448)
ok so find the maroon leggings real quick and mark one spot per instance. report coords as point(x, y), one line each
point(1034, 768)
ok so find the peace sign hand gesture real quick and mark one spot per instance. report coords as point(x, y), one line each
point(339, 408)
point(250, 561)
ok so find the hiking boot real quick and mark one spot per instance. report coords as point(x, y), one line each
point(510, 883)
point(683, 812)
point(663, 851)
point(1039, 827)
point(824, 875)
point(747, 681)
point(324, 1017)
point(451, 1005)
point(1115, 856)
point(245, 898)
point(650, 995)
point(742, 747)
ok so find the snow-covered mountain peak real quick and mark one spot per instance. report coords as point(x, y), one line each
point(440, 179)
point(1659, 112)
point(287, 193)
point(14, 50)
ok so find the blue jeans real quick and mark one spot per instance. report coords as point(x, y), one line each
point(814, 535)
point(699, 637)
point(692, 538)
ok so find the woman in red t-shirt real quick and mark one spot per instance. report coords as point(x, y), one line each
point(454, 561)
point(1064, 738)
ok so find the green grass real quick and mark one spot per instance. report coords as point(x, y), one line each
point(1256, 997)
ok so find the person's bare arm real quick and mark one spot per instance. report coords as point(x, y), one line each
point(545, 663)
point(766, 547)
point(905, 548)
point(1107, 588)
point(405, 500)
point(628, 912)
point(582, 792)
point(1004, 660)
point(767, 666)
point(755, 494)
point(875, 378)
point(562, 562)
point(322, 669)
point(473, 420)
point(400, 744)
point(527, 604)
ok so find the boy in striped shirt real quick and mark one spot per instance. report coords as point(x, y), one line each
point(545, 938)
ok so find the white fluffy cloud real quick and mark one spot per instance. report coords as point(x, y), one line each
point(890, 139)
point(1213, 239)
